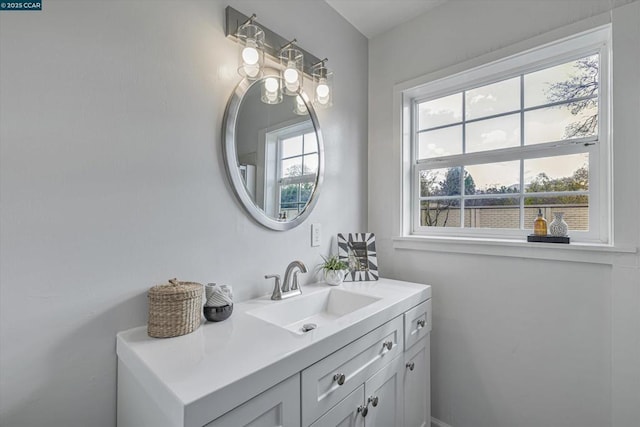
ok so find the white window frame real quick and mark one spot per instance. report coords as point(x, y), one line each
point(598, 146)
point(273, 151)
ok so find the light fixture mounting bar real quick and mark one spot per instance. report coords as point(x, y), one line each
point(273, 41)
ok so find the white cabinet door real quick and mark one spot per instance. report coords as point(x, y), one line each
point(345, 413)
point(383, 396)
point(333, 378)
point(278, 406)
point(417, 388)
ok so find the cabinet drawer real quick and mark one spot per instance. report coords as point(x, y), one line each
point(417, 323)
point(278, 406)
point(351, 366)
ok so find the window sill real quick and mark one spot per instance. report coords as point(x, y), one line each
point(573, 252)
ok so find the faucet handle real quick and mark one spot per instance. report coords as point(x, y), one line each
point(277, 293)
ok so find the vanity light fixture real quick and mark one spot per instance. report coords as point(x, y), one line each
point(251, 39)
point(322, 85)
point(292, 62)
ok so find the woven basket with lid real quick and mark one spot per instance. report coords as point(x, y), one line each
point(175, 308)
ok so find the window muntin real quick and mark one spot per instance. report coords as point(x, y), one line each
point(298, 165)
point(537, 131)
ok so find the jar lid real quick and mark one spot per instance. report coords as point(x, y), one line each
point(176, 288)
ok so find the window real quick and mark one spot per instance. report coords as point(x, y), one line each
point(298, 165)
point(491, 146)
point(291, 168)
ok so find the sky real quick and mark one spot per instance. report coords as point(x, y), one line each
point(540, 126)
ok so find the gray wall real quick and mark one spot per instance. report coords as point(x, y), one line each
point(257, 116)
point(111, 181)
point(517, 341)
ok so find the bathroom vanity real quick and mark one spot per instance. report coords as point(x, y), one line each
point(365, 363)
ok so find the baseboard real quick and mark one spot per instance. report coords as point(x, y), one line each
point(437, 423)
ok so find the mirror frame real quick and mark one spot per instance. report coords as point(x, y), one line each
point(230, 156)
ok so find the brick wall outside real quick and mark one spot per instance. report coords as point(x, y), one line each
point(576, 216)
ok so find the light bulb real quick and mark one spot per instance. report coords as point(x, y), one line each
point(292, 87)
point(250, 55)
point(323, 89)
point(272, 96)
point(301, 108)
point(251, 70)
point(271, 84)
point(291, 74)
point(291, 81)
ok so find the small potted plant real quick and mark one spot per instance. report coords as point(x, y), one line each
point(334, 270)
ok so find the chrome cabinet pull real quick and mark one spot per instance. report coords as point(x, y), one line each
point(410, 365)
point(373, 400)
point(363, 410)
point(339, 378)
point(388, 345)
point(421, 323)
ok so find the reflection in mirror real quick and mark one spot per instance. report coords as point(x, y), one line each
point(273, 153)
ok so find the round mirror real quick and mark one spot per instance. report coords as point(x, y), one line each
point(273, 152)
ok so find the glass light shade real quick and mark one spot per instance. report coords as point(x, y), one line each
point(292, 61)
point(300, 107)
point(322, 86)
point(271, 92)
point(251, 60)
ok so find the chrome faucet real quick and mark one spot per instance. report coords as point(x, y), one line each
point(290, 286)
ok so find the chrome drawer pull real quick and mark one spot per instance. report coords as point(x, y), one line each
point(421, 323)
point(373, 400)
point(364, 410)
point(388, 345)
point(410, 365)
point(339, 378)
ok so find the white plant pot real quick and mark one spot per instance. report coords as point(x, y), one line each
point(334, 277)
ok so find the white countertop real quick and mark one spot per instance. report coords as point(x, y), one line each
point(223, 364)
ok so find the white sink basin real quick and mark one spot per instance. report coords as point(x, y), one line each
point(318, 308)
